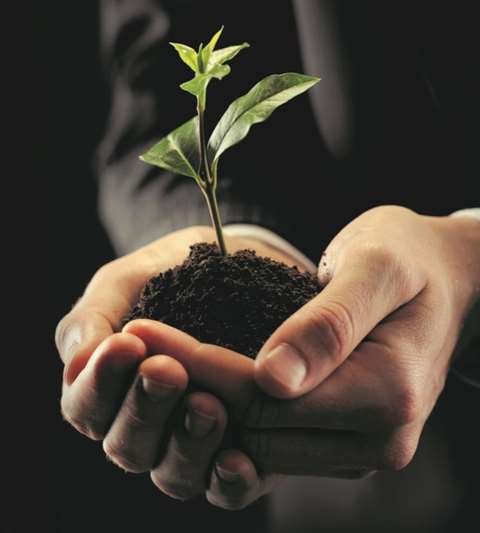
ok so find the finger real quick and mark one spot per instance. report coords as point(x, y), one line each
point(134, 438)
point(115, 287)
point(302, 452)
point(415, 356)
point(184, 469)
point(91, 402)
point(313, 342)
point(235, 483)
point(361, 395)
point(355, 397)
point(382, 385)
point(329, 452)
point(107, 299)
point(161, 338)
point(227, 373)
point(77, 335)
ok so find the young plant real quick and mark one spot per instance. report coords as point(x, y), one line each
point(185, 150)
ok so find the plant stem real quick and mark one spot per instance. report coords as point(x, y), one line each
point(215, 216)
point(209, 183)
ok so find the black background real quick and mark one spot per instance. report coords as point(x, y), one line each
point(56, 480)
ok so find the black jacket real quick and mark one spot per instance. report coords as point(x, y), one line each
point(393, 119)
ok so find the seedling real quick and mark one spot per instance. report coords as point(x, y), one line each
point(185, 150)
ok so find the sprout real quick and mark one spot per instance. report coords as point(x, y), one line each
point(185, 150)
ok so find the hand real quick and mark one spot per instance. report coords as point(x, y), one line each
point(234, 482)
point(377, 343)
point(113, 392)
point(368, 357)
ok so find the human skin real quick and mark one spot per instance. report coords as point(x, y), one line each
point(112, 392)
point(376, 345)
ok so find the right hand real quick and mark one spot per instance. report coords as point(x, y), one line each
point(115, 391)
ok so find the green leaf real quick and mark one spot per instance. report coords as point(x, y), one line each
point(187, 54)
point(207, 51)
point(255, 107)
point(200, 65)
point(214, 40)
point(219, 57)
point(199, 83)
point(178, 151)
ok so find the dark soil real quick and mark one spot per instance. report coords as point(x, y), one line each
point(235, 301)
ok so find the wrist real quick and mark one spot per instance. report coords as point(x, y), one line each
point(467, 230)
point(460, 250)
point(462, 232)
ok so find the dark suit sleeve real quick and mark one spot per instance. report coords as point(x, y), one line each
point(137, 202)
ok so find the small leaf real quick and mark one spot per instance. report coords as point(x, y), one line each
point(219, 57)
point(255, 107)
point(200, 64)
point(207, 51)
point(178, 151)
point(199, 83)
point(188, 55)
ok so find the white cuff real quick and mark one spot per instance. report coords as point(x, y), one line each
point(472, 212)
point(272, 239)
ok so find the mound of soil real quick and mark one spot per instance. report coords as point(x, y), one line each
point(235, 301)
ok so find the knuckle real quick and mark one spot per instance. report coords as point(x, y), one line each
point(178, 487)
point(123, 455)
point(396, 453)
point(133, 419)
point(387, 265)
point(379, 255)
point(405, 407)
point(333, 324)
point(85, 427)
point(85, 413)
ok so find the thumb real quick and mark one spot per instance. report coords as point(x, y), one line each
point(314, 341)
point(109, 296)
point(77, 336)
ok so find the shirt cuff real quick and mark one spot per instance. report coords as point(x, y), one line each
point(272, 239)
point(471, 212)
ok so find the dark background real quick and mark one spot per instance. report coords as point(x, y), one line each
point(58, 481)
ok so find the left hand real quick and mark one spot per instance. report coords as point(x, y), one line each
point(113, 393)
point(377, 344)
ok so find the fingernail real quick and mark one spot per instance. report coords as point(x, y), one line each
point(157, 391)
point(199, 424)
point(227, 475)
point(286, 366)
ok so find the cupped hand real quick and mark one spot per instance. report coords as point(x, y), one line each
point(117, 390)
point(350, 379)
point(228, 478)
point(368, 357)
